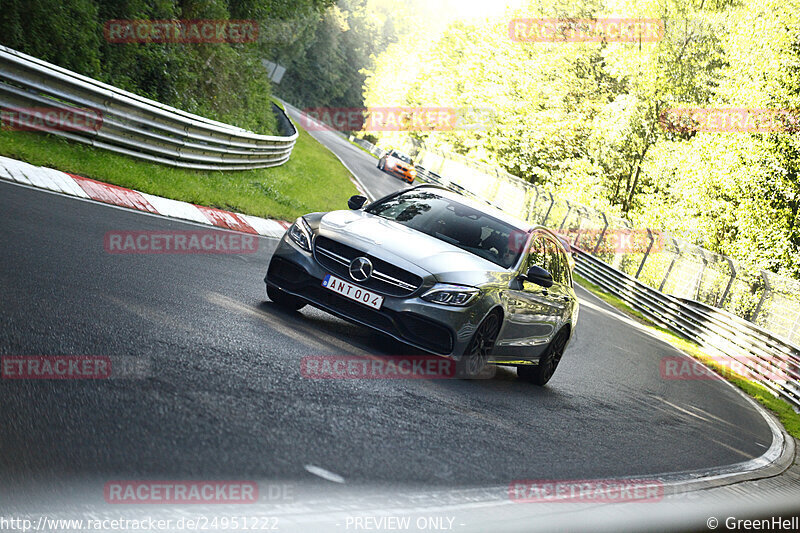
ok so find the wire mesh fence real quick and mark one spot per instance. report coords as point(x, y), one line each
point(661, 261)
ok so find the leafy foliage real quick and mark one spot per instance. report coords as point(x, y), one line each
point(224, 81)
point(326, 51)
point(586, 118)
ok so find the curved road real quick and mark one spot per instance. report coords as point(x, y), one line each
point(361, 164)
point(221, 395)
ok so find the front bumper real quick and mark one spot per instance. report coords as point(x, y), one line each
point(433, 328)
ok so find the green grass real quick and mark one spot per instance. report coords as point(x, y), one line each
point(312, 180)
point(782, 409)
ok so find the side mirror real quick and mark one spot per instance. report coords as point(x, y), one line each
point(539, 276)
point(356, 202)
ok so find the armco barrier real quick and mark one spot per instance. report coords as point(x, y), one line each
point(675, 267)
point(136, 126)
point(767, 358)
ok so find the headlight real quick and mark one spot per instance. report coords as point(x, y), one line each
point(413, 172)
point(300, 233)
point(458, 295)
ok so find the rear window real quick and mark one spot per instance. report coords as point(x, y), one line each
point(455, 223)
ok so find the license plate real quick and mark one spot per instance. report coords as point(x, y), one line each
point(348, 290)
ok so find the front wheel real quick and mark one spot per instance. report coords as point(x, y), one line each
point(284, 300)
point(541, 374)
point(476, 356)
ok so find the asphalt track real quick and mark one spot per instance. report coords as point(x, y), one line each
point(221, 395)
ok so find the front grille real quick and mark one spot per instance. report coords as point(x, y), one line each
point(414, 328)
point(367, 315)
point(386, 278)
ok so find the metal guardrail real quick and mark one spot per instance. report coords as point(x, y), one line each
point(368, 146)
point(679, 268)
point(767, 359)
point(137, 126)
point(738, 344)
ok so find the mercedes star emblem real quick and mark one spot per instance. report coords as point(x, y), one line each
point(360, 269)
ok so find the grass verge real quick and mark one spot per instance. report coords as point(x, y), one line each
point(782, 409)
point(312, 180)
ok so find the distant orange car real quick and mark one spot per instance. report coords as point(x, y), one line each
point(399, 164)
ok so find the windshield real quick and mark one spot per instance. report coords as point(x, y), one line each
point(402, 157)
point(454, 223)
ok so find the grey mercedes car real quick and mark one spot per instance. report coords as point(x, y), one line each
point(436, 270)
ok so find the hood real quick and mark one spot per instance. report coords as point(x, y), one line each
point(404, 247)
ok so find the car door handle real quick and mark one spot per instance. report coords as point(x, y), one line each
point(565, 298)
point(544, 292)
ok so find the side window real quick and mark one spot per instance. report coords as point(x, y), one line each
point(556, 264)
point(567, 271)
point(545, 253)
point(538, 253)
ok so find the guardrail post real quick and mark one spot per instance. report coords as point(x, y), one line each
point(602, 233)
point(580, 226)
point(702, 273)
point(547, 215)
point(529, 202)
point(569, 210)
point(646, 254)
point(730, 281)
point(671, 264)
point(577, 236)
point(532, 204)
point(767, 288)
